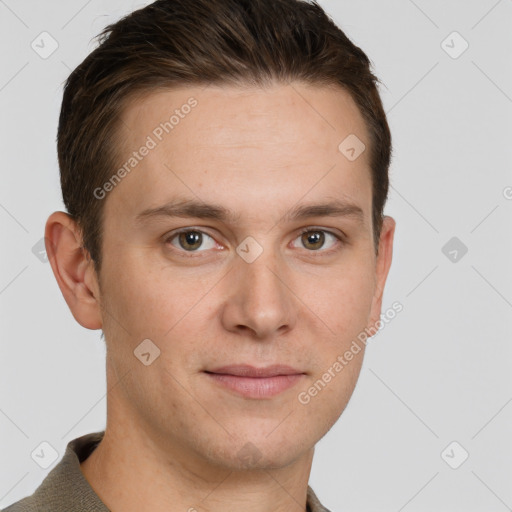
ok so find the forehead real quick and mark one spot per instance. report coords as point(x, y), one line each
point(267, 143)
point(232, 115)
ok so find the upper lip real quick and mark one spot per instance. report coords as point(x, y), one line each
point(244, 370)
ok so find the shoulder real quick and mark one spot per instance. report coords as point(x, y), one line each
point(24, 505)
point(65, 488)
point(313, 503)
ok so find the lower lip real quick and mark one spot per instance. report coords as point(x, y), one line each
point(256, 387)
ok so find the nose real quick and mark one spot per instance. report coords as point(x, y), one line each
point(259, 298)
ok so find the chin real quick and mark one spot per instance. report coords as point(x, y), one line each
point(260, 451)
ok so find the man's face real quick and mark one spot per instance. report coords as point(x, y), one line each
point(247, 290)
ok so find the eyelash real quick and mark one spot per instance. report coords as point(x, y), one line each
point(191, 254)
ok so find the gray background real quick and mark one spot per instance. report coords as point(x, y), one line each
point(438, 373)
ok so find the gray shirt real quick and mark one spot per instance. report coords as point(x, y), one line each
point(65, 488)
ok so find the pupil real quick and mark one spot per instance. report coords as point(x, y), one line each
point(314, 238)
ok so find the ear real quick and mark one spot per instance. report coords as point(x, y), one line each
point(383, 263)
point(73, 269)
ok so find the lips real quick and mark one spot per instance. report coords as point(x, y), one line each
point(253, 372)
point(255, 383)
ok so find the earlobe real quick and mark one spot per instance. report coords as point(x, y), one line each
point(383, 265)
point(73, 270)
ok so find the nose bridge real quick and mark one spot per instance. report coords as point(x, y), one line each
point(260, 298)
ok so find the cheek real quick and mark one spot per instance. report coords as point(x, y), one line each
point(138, 299)
point(342, 300)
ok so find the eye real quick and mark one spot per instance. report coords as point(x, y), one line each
point(195, 240)
point(315, 239)
point(190, 240)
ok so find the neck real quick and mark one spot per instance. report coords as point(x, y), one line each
point(133, 470)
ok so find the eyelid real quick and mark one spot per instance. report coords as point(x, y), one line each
point(334, 232)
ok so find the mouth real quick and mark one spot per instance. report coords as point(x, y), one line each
point(257, 383)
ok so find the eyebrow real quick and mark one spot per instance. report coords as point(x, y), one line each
point(198, 209)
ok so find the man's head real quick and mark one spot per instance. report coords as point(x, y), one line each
point(204, 160)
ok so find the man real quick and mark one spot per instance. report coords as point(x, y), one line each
point(224, 168)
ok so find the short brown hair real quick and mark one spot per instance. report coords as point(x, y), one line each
point(178, 42)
